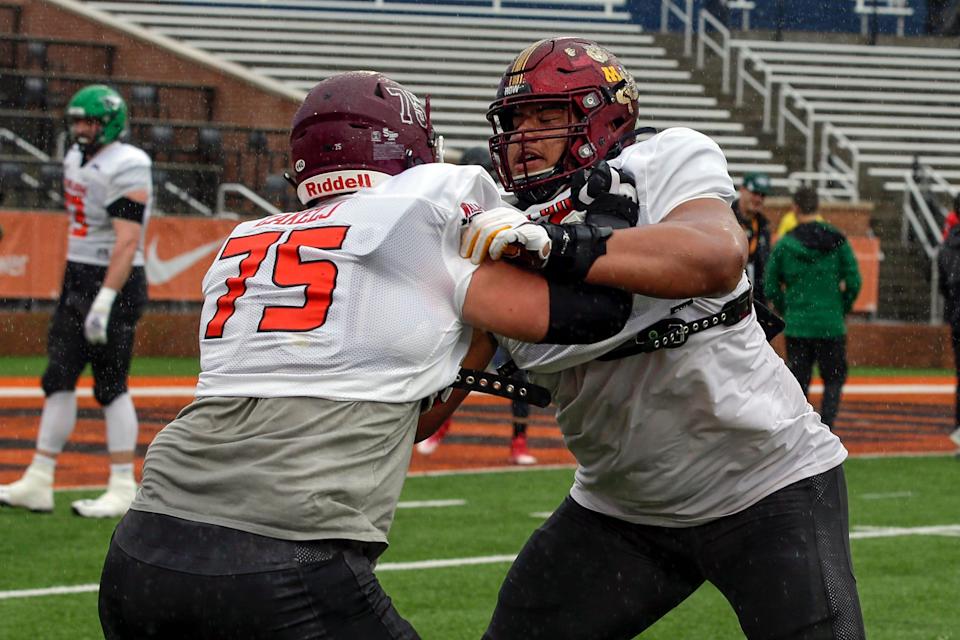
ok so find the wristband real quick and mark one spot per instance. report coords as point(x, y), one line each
point(573, 250)
point(105, 298)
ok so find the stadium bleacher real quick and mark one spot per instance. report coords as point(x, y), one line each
point(870, 114)
point(457, 58)
point(864, 115)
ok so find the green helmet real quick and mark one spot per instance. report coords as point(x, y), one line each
point(103, 104)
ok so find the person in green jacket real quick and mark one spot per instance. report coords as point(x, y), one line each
point(812, 279)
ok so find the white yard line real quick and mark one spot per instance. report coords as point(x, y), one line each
point(885, 496)
point(51, 591)
point(430, 504)
point(383, 566)
point(859, 533)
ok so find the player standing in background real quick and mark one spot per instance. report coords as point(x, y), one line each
point(107, 191)
point(698, 457)
point(324, 335)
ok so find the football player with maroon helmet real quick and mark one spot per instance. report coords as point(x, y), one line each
point(325, 333)
point(699, 458)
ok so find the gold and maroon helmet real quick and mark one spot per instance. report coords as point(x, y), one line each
point(580, 76)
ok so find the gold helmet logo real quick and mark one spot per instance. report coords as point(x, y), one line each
point(597, 53)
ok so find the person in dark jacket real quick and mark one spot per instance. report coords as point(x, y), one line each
point(748, 208)
point(812, 278)
point(948, 266)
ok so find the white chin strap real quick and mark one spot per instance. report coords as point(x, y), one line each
point(335, 182)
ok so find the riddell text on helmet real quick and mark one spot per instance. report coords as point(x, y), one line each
point(337, 182)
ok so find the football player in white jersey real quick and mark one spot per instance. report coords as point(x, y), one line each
point(699, 458)
point(107, 191)
point(324, 335)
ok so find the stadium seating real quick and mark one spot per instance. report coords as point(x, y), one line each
point(459, 55)
point(872, 115)
point(888, 104)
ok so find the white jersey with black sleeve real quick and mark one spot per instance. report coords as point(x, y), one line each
point(90, 187)
point(359, 298)
point(682, 436)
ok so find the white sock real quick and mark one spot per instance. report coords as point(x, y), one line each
point(122, 424)
point(45, 462)
point(57, 421)
point(124, 469)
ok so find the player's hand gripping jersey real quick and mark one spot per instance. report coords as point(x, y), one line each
point(115, 170)
point(309, 303)
point(715, 424)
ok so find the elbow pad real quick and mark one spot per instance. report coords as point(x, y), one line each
point(127, 209)
point(583, 313)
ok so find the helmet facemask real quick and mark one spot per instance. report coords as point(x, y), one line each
point(513, 150)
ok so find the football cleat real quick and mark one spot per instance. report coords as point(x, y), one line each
point(428, 446)
point(120, 493)
point(34, 491)
point(518, 451)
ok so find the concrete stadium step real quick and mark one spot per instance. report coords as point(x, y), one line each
point(183, 14)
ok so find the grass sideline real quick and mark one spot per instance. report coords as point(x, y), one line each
point(140, 366)
point(162, 366)
point(907, 583)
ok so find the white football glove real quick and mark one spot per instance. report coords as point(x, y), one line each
point(95, 326)
point(504, 233)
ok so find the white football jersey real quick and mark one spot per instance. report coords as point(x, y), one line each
point(679, 437)
point(359, 298)
point(116, 169)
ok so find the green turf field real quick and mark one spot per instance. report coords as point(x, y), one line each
point(908, 583)
point(143, 366)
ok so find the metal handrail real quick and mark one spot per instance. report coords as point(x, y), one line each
point(843, 143)
point(847, 185)
point(765, 89)
point(243, 190)
point(721, 47)
point(685, 15)
point(187, 199)
point(927, 231)
point(787, 96)
point(10, 136)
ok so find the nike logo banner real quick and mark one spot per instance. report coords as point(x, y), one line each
point(178, 252)
point(160, 271)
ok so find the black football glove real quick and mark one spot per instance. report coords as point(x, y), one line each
point(607, 196)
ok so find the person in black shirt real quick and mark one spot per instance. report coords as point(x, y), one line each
point(749, 210)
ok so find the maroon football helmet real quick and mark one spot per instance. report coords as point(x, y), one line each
point(579, 76)
point(355, 129)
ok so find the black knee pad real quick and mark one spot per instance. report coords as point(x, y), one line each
point(107, 391)
point(57, 378)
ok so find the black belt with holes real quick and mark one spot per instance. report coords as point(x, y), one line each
point(671, 333)
point(503, 386)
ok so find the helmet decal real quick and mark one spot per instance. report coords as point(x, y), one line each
point(409, 104)
point(597, 53)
